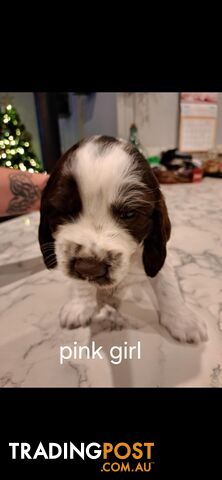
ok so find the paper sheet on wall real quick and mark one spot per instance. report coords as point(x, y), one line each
point(198, 121)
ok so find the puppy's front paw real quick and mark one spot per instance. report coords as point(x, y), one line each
point(109, 318)
point(185, 326)
point(75, 314)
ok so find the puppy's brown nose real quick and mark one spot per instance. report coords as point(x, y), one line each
point(90, 268)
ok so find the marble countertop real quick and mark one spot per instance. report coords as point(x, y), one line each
point(31, 298)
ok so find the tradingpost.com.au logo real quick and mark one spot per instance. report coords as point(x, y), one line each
point(118, 457)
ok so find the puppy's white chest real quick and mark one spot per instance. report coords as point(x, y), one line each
point(135, 292)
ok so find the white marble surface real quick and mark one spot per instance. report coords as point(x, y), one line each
point(30, 335)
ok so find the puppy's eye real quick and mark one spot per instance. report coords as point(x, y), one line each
point(127, 215)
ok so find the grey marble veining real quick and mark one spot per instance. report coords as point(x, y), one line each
point(12, 272)
point(31, 298)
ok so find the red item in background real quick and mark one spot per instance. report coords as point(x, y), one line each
point(197, 174)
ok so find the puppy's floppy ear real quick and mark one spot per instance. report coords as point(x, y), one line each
point(60, 198)
point(154, 252)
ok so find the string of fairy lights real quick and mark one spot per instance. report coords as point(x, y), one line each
point(15, 143)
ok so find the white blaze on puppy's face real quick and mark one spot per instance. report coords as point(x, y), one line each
point(100, 173)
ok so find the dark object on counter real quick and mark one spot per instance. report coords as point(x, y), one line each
point(213, 175)
point(175, 167)
point(168, 176)
point(173, 159)
point(185, 174)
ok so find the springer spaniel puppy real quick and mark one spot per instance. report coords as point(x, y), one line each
point(101, 211)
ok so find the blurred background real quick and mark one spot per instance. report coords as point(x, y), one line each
point(37, 127)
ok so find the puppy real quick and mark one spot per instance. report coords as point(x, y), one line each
point(101, 209)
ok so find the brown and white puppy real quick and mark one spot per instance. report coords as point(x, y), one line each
point(102, 206)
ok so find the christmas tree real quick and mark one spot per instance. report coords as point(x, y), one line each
point(15, 143)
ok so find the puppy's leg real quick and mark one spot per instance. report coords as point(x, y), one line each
point(107, 313)
point(174, 314)
point(80, 310)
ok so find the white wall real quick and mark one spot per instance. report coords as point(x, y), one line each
point(25, 105)
point(99, 117)
point(157, 118)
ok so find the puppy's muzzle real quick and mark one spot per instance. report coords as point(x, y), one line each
point(90, 268)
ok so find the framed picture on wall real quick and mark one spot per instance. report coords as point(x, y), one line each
point(198, 121)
